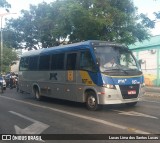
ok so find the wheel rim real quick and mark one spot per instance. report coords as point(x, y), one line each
point(91, 101)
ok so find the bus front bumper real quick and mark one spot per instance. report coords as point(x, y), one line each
point(111, 96)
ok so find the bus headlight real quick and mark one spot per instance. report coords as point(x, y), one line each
point(109, 86)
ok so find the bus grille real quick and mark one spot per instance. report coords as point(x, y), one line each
point(125, 91)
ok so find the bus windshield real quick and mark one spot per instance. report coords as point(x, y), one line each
point(113, 57)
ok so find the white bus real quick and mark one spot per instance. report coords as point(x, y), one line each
point(80, 72)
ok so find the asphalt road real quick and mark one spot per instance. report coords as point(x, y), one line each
point(22, 114)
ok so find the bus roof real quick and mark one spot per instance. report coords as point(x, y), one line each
point(70, 47)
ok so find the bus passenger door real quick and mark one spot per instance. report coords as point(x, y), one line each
point(71, 66)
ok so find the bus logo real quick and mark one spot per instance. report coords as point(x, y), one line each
point(135, 82)
point(53, 75)
point(122, 81)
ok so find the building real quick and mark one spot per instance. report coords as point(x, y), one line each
point(148, 53)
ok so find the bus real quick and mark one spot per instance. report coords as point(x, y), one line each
point(78, 72)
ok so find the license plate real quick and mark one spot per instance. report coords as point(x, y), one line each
point(130, 92)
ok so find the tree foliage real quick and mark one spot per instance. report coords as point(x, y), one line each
point(4, 4)
point(9, 57)
point(47, 25)
point(157, 14)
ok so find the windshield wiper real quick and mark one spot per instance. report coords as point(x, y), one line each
point(116, 69)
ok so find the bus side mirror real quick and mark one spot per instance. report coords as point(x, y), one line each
point(140, 62)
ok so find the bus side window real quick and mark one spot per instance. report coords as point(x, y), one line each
point(57, 62)
point(33, 63)
point(21, 65)
point(71, 61)
point(44, 62)
point(86, 61)
point(24, 62)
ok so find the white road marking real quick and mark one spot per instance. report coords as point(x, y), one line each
point(22, 116)
point(133, 113)
point(82, 116)
point(35, 128)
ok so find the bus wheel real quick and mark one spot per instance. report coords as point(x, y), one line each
point(131, 104)
point(91, 101)
point(36, 93)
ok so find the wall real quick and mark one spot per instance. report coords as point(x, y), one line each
point(149, 53)
point(149, 66)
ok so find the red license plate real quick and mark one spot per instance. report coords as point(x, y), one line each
point(130, 92)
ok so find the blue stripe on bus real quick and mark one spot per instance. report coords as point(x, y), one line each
point(96, 78)
point(100, 79)
point(123, 80)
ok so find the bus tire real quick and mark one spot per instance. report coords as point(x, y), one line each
point(131, 104)
point(37, 94)
point(91, 101)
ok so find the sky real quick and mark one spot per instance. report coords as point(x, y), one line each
point(144, 6)
point(148, 7)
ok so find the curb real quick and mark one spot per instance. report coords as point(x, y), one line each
point(152, 94)
point(153, 89)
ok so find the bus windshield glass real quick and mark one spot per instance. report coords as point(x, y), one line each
point(111, 57)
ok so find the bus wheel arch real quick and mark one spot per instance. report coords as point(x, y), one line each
point(91, 100)
point(36, 92)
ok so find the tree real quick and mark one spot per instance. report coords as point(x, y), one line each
point(4, 4)
point(9, 58)
point(157, 14)
point(115, 20)
point(47, 25)
point(32, 29)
